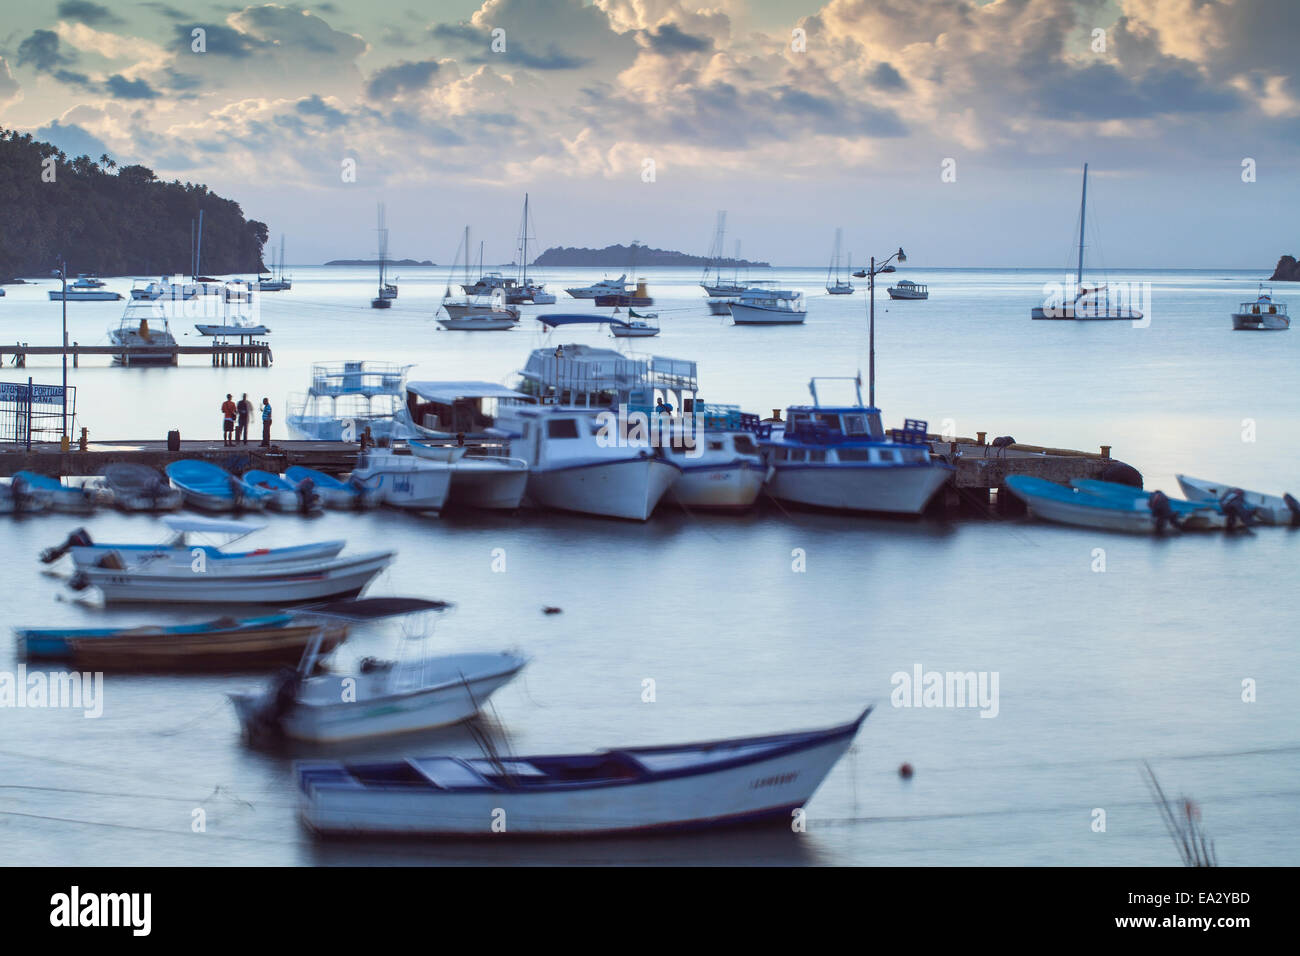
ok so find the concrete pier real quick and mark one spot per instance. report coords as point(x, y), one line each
point(243, 354)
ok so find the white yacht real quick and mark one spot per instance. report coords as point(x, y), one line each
point(617, 286)
point(145, 332)
point(84, 289)
point(762, 306)
point(403, 481)
point(1263, 314)
point(907, 289)
point(726, 470)
point(346, 398)
point(475, 313)
point(839, 457)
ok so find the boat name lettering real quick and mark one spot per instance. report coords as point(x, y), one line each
point(779, 780)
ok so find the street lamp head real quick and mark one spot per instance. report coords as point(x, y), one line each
point(902, 256)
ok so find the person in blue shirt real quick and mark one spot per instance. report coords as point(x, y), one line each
point(266, 423)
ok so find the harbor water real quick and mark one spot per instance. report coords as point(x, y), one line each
point(1107, 650)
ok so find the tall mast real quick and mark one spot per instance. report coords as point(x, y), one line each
point(467, 255)
point(281, 255)
point(524, 262)
point(198, 254)
point(1083, 209)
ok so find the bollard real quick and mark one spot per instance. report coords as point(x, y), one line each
point(84, 440)
point(979, 436)
point(64, 444)
point(1105, 451)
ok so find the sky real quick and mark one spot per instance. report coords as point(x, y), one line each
point(956, 129)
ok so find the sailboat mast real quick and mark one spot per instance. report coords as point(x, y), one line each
point(198, 254)
point(524, 262)
point(467, 282)
point(281, 256)
point(1083, 210)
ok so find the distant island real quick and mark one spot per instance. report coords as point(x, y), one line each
point(112, 221)
point(1288, 270)
point(375, 262)
point(623, 257)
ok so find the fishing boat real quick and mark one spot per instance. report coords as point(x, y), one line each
point(617, 286)
point(387, 290)
point(57, 496)
point(134, 487)
point(284, 583)
point(478, 481)
point(906, 290)
point(457, 410)
point(210, 487)
point(632, 790)
point(835, 284)
point(1064, 505)
point(712, 282)
point(224, 644)
point(333, 493)
point(723, 468)
point(346, 398)
point(1262, 315)
point(283, 495)
point(144, 343)
point(17, 498)
point(839, 457)
point(1281, 509)
point(417, 691)
point(1088, 302)
point(84, 289)
point(403, 481)
point(276, 281)
point(1192, 515)
point(190, 540)
point(759, 305)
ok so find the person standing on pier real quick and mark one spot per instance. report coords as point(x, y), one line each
point(266, 423)
point(245, 410)
point(228, 412)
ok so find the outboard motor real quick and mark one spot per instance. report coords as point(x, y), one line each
point(79, 581)
point(1233, 504)
point(1163, 511)
point(358, 499)
point(1295, 509)
point(22, 493)
point(153, 490)
point(78, 539)
point(307, 497)
point(237, 490)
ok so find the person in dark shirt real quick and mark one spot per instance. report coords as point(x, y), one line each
point(266, 423)
point(245, 411)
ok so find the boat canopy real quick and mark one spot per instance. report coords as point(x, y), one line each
point(371, 609)
point(198, 524)
point(447, 392)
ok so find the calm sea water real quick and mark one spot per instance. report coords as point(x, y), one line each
point(1097, 670)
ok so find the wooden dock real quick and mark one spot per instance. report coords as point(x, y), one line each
point(334, 458)
point(242, 354)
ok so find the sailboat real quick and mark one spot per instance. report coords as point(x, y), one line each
point(834, 284)
point(526, 291)
point(387, 290)
point(1090, 302)
point(713, 268)
point(471, 314)
point(276, 282)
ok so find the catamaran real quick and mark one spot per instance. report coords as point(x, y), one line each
point(346, 398)
point(1089, 302)
point(1263, 314)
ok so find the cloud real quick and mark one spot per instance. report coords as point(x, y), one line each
point(404, 77)
point(10, 90)
point(121, 88)
point(41, 51)
point(91, 14)
point(669, 39)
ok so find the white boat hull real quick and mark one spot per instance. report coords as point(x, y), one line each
point(485, 483)
point(769, 789)
point(733, 486)
point(98, 295)
point(414, 487)
point(479, 323)
point(890, 489)
point(626, 488)
point(1270, 509)
point(184, 557)
point(1259, 322)
point(273, 585)
point(750, 315)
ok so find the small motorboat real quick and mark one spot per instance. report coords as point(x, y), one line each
point(283, 495)
point(721, 306)
point(1281, 509)
point(17, 497)
point(633, 329)
point(209, 487)
point(222, 644)
point(84, 289)
point(56, 495)
point(332, 492)
point(1193, 515)
point(1262, 315)
point(184, 549)
point(281, 583)
point(134, 487)
point(403, 481)
point(478, 481)
point(763, 306)
point(378, 698)
point(697, 786)
point(1064, 505)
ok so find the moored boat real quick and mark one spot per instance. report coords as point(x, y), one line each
point(283, 495)
point(617, 286)
point(759, 305)
point(478, 481)
point(221, 644)
point(725, 471)
point(56, 495)
point(906, 290)
point(332, 492)
point(1281, 509)
point(1192, 515)
point(1262, 315)
point(403, 481)
point(625, 791)
point(1065, 505)
point(135, 487)
point(210, 487)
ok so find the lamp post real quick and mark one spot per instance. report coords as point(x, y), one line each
point(872, 270)
point(62, 273)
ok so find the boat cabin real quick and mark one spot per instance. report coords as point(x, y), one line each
point(448, 409)
point(1264, 305)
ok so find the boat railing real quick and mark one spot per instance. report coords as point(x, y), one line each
point(358, 378)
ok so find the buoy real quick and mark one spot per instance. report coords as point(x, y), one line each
point(551, 610)
point(905, 770)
